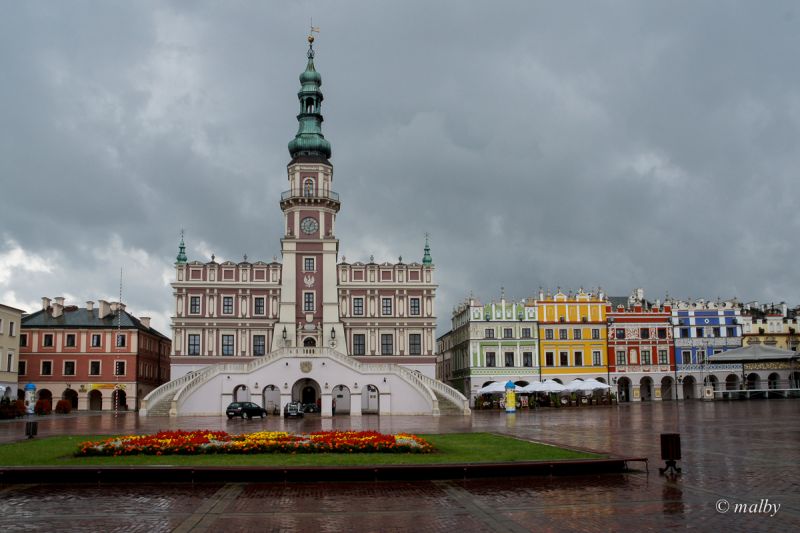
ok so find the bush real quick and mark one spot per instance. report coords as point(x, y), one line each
point(43, 407)
point(63, 407)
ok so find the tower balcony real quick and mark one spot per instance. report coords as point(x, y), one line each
point(310, 198)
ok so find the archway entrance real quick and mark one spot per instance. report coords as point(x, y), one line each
point(646, 389)
point(305, 391)
point(95, 400)
point(753, 381)
point(45, 394)
point(667, 392)
point(370, 400)
point(341, 397)
point(241, 393)
point(119, 400)
point(271, 396)
point(689, 388)
point(71, 395)
point(732, 382)
point(309, 342)
point(623, 390)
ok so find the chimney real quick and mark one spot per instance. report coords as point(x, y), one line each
point(90, 306)
point(45, 303)
point(104, 309)
point(145, 320)
point(58, 307)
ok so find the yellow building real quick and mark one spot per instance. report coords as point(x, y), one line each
point(573, 336)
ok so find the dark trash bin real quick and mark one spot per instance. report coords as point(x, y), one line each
point(670, 452)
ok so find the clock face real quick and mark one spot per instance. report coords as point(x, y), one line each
point(309, 225)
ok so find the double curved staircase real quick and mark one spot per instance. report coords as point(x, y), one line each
point(168, 398)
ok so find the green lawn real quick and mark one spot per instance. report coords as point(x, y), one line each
point(451, 448)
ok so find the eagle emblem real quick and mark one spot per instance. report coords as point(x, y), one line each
point(305, 367)
point(308, 280)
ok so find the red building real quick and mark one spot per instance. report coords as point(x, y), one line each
point(100, 358)
point(641, 352)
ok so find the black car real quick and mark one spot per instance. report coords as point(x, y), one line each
point(293, 409)
point(310, 408)
point(245, 410)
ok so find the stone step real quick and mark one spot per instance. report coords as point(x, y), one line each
point(447, 407)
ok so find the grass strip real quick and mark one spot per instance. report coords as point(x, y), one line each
point(450, 448)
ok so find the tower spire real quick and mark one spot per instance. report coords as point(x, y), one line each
point(309, 140)
point(426, 258)
point(181, 259)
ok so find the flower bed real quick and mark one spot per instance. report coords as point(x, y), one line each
point(211, 442)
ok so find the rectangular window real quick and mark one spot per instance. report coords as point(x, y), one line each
point(387, 344)
point(12, 328)
point(48, 340)
point(491, 359)
point(596, 358)
point(119, 368)
point(646, 357)
point(701, 357)
point(662, 357)
point(619, 333)
point(415, 344)
point(549, 359)
point(548, 334)
point(96, 340)
point(698, 332)
point(47, 368)
point(259, 345)
point(686, 357)
point(22, 368)
point(259, 306)
point(576, 334)
point(120, 340)
point(308, 264)
point(69, 368)
point(359, 344)
point(644, 333)
point(70, 340)
point(386, 306)
point(508, 333)
point(227, 305)
point(622, 359)
point(358, 306)
point(684, 333)
point(578, 358)
point(662, 333)
point(9, 361)
point(194, 344)
point(715, 332)
point(730, 332)
point(414, 307)
point(595, 333)
point(562, 334)
point(308, 302)
point(563, 358)
point(94, 368)
point(227, 345)
point(527, 359)
point(526, 333)
point(509, 356)
point(194, 305)
point(488, 333)
point(23, 339)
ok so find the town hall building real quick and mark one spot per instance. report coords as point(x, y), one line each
point(355, 337)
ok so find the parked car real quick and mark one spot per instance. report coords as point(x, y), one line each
point(293, 409)
point(245, 410)
point(310, 408)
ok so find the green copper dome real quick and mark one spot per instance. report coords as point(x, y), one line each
point(309, 140)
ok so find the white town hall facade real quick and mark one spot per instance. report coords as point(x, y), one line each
point(354, 337)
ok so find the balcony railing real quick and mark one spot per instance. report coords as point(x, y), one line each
point(311, 195)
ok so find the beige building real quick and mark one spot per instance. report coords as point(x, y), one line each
point(10, 319)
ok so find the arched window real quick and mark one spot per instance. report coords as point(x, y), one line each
point(309, 105)
point(308, 187)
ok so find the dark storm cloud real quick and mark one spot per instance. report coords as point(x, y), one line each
point(618, 144)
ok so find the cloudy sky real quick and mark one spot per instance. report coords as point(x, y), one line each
point(614, 144)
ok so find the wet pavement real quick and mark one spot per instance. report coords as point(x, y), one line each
point(734, 453)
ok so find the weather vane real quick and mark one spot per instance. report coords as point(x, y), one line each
point(314, 29)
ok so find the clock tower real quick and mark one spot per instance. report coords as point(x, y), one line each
point(309, 312)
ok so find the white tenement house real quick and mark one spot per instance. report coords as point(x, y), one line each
point(352, 338)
